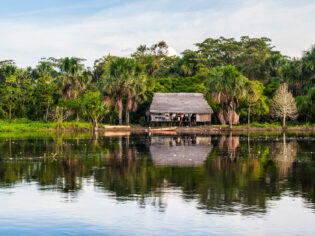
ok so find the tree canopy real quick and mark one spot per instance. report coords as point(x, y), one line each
point(239, 76)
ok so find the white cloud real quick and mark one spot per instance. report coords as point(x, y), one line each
point(172, 52)
point(120, 30)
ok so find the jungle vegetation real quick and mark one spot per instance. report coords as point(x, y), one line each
point(238, 77)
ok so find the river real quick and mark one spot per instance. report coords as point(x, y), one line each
point(158, 184)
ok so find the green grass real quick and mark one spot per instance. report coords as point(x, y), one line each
point(32, 126)
point(263, 125)
point(289, 124)
point(24, 125)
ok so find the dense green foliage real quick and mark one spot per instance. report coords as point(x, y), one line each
point(61, 89)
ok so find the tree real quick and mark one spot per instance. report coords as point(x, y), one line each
point(257, 60)
point(300, 73)
point(283, 105)
point(227, 85)
point(8, 85)
point(154, 58)
point(254, 95)
point(190, 64)
point(306, 106)
point(7, 68)
point(26, 87)
point(135, 93)
point(253, 57)
point(101, 67)
point(219, 52)
point(59, 115)
point(11, 93)
point(45, 92)
point(291, 73)
point(45, 67)
point(121, 80)
point(94, 108)
point(70, 69)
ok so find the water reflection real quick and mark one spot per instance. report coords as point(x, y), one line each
point(224, 174)
point(228, 145)
point(180, 151)
point(284, 154)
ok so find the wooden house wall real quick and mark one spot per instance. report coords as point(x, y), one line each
point(203, 117)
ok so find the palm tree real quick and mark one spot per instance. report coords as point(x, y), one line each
point(226, 85)
point(122, 80)
point(135, 93)
point(70, 71)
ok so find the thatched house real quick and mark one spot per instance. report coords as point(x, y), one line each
point(180, 108)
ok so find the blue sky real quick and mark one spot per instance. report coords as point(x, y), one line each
point(32, 29)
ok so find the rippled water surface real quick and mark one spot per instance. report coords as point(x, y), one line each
point(158, 184)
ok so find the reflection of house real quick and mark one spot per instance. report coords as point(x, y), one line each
point(180, 151)
point(180, 108)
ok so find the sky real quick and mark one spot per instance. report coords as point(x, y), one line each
point(90, 29)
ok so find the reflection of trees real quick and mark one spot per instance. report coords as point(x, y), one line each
point(228, 145)
point(56, 163)
point(284, 153)
point(234, 186)
point(64, 174)
point(123, 167)
point(302, 181)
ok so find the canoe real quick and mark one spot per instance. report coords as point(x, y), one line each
point(116, 127)
point(158, 130)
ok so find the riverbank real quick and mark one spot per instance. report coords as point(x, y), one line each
point(215, 129)
point(35, 126)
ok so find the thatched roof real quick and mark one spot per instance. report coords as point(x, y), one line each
point(179, 103)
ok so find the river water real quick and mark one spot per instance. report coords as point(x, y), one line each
point(158, 184)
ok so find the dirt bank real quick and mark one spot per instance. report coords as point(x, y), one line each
point(212, 129)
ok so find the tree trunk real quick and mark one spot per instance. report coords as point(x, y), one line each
point(248, 116)
point(95, 139)
point(22, 109)
point(95, 127)
point(230, 118)
point(46, 116)
point(120, 116)
point(283, 122)
point(221, 117)
point(10, 110)
point(127, 117)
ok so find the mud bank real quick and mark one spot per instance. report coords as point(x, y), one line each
point(210, 129)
